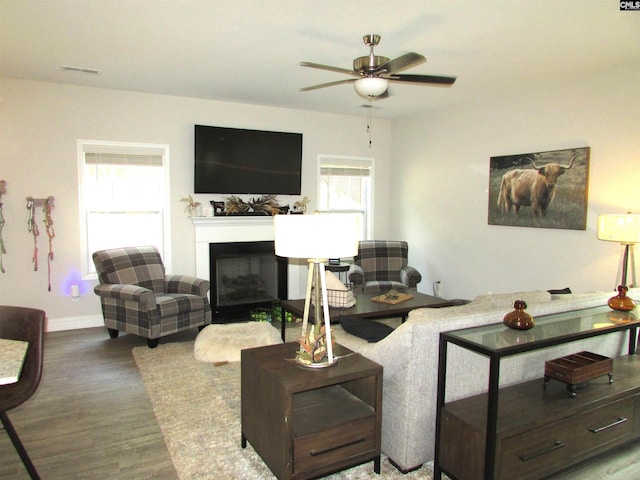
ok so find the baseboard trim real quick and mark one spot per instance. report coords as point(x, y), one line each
point(73, 323)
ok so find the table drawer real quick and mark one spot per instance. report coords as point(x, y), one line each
point(602, 426)
point(546, 448)
point(334, 444)
point(535, 451)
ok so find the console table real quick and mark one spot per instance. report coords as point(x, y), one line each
point(305, 422)
point(528, 431)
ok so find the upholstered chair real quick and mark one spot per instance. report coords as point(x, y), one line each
point(138, 297)
point(381, 265)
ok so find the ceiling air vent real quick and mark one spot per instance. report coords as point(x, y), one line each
point(92, 71)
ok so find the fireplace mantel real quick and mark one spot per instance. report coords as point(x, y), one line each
point(227, 229)
point(238, 229)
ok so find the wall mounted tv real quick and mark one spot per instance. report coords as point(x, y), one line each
point(239, 161)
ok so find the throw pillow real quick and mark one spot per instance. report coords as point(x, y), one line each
point(561, 291)
point(370, 330)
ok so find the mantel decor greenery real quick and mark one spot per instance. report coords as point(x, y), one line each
point(191, 208)
point(234, 206)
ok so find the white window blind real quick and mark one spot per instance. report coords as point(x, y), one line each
point(346, 187)
point(123, 199)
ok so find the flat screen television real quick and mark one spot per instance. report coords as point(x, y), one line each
point(240, 161)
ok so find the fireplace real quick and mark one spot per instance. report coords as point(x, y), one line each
point(244, 276)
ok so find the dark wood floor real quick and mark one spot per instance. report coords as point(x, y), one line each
point(91, 418)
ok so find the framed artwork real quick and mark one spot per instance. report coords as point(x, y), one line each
point(543, 189)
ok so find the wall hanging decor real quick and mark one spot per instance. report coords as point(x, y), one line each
point(544, 189)
point(3, 190)
point(32, 225)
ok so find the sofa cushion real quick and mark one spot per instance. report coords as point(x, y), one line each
point(370, 330)
point(505, 300)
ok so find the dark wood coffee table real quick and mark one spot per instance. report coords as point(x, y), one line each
point(365, 308)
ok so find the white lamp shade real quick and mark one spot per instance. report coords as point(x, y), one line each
point(621, 228)
point(317, 236)
point(371, 86)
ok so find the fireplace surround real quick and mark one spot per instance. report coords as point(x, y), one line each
point(217, 230)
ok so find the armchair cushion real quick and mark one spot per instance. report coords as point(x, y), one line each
point(131, 266)
point(176, 303)
point(382, 260)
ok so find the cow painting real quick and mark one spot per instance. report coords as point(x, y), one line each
point(545, 189)
point(533, 188)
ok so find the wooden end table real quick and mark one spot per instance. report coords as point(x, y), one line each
point(365, 308)
point(305, 423)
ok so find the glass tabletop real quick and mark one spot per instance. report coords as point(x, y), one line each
point(549, 330)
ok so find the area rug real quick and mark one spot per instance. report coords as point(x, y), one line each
point(197, 406)
point(223, 342)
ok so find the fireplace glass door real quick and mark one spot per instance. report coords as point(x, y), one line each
point(245, 276)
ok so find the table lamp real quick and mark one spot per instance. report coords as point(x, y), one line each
point(624, 229)
point(316, 238)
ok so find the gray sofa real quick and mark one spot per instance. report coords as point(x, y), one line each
point(409, 356)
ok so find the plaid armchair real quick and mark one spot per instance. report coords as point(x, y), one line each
point(138, 297)
point(381, 265)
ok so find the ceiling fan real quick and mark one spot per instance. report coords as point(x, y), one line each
point(373, 73)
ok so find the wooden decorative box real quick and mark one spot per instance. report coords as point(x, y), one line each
point(578, 368)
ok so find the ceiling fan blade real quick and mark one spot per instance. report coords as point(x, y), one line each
point(330, 68)
point(330, 84)
point(428, 79)
point(401, 63)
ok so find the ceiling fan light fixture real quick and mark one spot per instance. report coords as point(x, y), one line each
point(371, 86)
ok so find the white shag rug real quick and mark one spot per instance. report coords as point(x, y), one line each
point(222, 342)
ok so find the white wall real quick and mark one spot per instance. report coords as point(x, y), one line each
point(40, 124)
point(441, 182)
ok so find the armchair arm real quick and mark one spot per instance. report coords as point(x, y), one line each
point(356, 275)
point(127, 293)
point(187, 284)
point(410, 277)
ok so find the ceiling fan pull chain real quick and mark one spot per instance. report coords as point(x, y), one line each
point(369, 121)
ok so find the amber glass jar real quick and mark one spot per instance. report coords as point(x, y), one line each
point(621, 301)
point(518, 319)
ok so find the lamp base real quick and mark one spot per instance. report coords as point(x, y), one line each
point(322, 364)
point(621, 301)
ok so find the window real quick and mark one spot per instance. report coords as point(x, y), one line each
point(346, 186)
point(124, 192)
